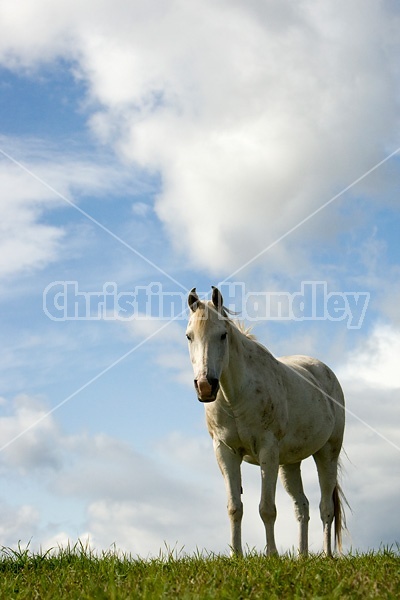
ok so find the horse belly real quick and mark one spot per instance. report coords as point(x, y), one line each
point(295, 450)
point(306, 434)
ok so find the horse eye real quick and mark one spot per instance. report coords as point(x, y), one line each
point(188, 337)
point(223, 336)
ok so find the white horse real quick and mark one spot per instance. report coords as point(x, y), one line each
point(269, 412)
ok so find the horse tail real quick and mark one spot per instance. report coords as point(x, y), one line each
point(339, 499)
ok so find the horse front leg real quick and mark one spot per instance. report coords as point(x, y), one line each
point(229, 463)
point(269, 464)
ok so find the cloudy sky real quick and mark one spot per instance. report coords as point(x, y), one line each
point(150, 147)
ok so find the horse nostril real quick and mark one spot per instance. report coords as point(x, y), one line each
point(196, 387)
point(214, 385)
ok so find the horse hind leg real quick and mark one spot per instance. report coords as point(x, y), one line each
point(292, 482)
point(330, 505)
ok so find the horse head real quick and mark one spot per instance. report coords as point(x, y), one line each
point(207, 333)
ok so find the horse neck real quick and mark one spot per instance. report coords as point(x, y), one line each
point(233, 375)
point(242, 356)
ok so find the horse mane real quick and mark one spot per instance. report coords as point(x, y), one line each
point(240, 325)
point(244, 329)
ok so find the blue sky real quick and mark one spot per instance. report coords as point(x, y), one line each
point(179, 145)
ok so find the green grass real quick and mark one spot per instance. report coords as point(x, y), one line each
point(79, 573)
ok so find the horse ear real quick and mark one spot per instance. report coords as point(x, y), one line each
point(216, 298)
point(193, 300)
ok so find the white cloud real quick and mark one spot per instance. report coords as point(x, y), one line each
point(26, 242)
point(258, 129)
point(375, 362)
point(253, 114)
point(371, 384)
point(371, 471)
point(28, 436)
point(39, 178)
point(15, 522)
point(129, 497)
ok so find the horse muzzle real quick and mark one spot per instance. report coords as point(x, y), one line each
point(206, 389)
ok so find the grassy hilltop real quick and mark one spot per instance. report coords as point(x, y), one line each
point(79, 573)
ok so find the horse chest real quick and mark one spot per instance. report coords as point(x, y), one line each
point(241, 433)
